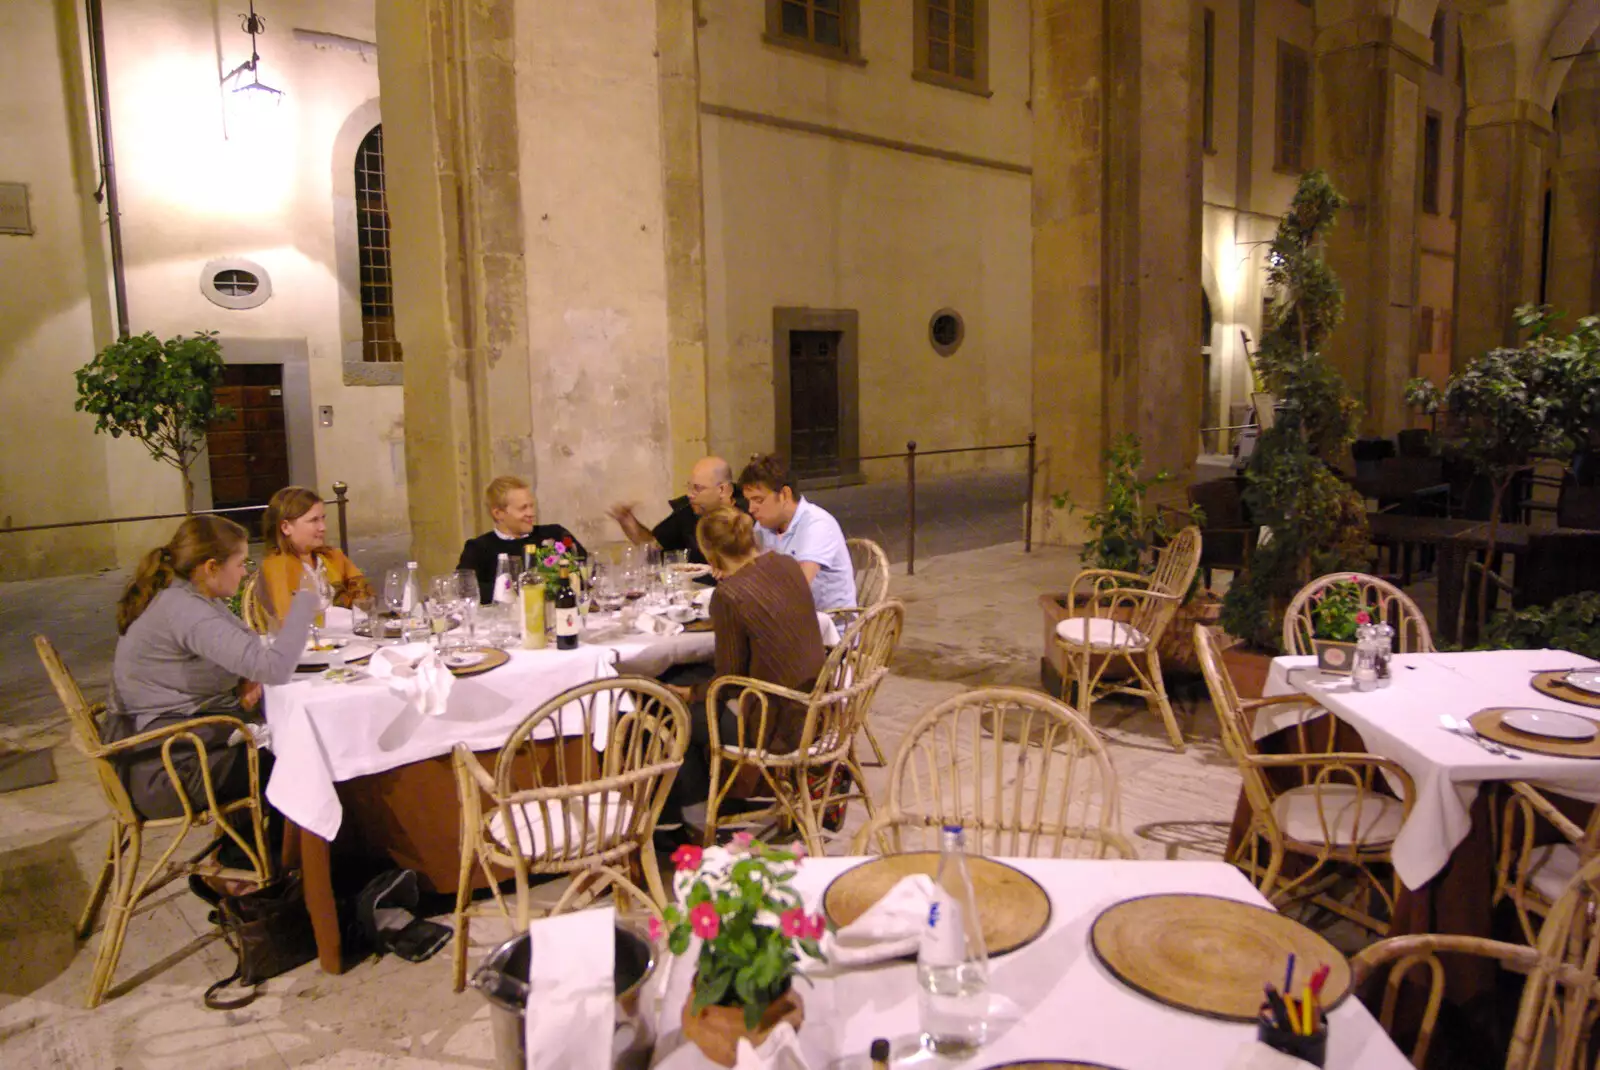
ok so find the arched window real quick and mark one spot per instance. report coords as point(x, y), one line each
point(378, 341)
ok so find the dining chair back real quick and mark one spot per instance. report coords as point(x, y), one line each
point(252, 608)
point(1334, 815)
point(871, 567)
point(1532, 872)
point(120, 872)
point(1021, 772)
point(1384, 602)
point(576, 789)
point(1560, 996)
point(810, 785)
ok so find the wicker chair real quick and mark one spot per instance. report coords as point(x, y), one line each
point(1117, 624)
point(571, 809)
point(1021, 772)
point(836, 709)
point(1384, 601)
point(871, 567)
point(1560, 998)
point(251, 608)
point(1334, 819)
point(1532, 875)
point(119, 875)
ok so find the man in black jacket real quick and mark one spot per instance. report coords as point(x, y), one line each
point(515, 513)
point(710, 486)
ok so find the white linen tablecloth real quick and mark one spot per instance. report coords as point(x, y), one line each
point(1402, 722)
point(1070, 1006)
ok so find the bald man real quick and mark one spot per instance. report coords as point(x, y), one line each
point(710, 485)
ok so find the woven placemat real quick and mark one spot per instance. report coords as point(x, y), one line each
point(1013, 908)
point(1555, 685)
point(1487, 722)
point(496, 658)
point(1210, 955)
point(697, 626)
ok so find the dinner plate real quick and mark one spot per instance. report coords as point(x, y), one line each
point(464, 659)
point(1552, 724)
point(1584, 680)
point(353, 650)
point(690, 571)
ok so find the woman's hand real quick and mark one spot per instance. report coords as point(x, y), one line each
point(249, 693)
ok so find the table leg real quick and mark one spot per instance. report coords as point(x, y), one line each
point(316, 879)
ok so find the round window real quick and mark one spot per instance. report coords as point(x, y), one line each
point(946, 331)
point(236, 284)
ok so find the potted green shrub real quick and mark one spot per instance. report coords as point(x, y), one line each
point(1335, 616)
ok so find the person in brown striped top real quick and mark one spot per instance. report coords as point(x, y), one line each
point(766, 628)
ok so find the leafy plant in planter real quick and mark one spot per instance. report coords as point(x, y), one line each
point(161, 393)
point(1317, 522)
point(1571, 623)
point(1124, 533)
point(1513, 404)
point(1338, 613)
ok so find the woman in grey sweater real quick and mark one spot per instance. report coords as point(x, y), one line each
point(183, 655)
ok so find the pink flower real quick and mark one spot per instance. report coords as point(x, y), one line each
point(741, 841)
point(795, 924)
point(704, 920)
point(559, 547)
point(798, 850)
point(687, 857)
point(655, 929)
point(1363, 618)
point(552, 561)
point(815, 928)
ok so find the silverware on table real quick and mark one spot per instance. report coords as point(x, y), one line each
point(1464, 729)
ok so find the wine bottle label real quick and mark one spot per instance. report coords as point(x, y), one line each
point(567, 620)
point(943, 937)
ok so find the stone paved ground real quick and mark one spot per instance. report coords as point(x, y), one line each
point(971, 620)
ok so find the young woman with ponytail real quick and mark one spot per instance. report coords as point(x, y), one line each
point(295, 528)
point(182, 654)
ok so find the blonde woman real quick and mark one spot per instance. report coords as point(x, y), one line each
point(182, 654)
point(295, 529)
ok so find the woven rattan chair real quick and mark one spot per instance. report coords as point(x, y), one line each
point(1560, 998)
point(836, 708)
point(554, 804)
point(1334, 820)
point(1385, 603)
point(119, 875)
point(1533, 875)
point(1110, 645)
point(1022, 773)
point(251, 608)
point(871, 566)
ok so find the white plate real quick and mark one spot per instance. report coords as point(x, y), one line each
point(1584, 680)
point(352, 648)
point(690, 571)
point(1552, 724)
point(464, 659)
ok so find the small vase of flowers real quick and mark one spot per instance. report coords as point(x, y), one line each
point(552, 561)
point(753, 929)
point(1335, 618)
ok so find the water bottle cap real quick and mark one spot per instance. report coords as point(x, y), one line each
point(953, 828)
point(411, 564)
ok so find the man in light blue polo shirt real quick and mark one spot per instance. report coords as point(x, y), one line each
point(789, 524)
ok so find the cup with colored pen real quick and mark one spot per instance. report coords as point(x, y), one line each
point(1292, 1022)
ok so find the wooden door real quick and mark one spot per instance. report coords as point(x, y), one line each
point(250, 451)
point(814, 402)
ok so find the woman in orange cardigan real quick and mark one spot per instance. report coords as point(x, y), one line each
point(295, 528)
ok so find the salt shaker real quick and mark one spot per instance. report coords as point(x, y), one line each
point(1383, 643)
point(1365, 674)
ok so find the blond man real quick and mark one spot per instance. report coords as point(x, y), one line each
point(516, 524)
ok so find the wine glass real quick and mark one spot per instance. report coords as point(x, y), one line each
point(467, 600)
point(323, 589)
point(445, 599)
point(394, 602)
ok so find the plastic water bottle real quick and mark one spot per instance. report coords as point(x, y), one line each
point(952, 964)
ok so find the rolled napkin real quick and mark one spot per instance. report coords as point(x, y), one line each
point(780, 1051)
point(891, 928)
point(415, 673)
point(572, 1002)
point(651, 624)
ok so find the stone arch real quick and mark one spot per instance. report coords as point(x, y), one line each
point(347, 257)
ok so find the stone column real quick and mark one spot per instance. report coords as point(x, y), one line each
point(1366, 132)
point(1574, 273)
point(1116, 242)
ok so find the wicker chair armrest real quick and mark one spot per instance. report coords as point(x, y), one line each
point(1376, 762)
point(747, 686)
point(1519, 957)
point(1100, 575)
point(748, 683)
point(471, 768)
point(1298, 697)
point(157, 735)
point(1547, 810)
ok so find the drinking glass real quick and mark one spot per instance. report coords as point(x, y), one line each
point(324, 592)
point(364, 617)
point(467, 599)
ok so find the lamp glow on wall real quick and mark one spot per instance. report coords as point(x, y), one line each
point(251, 103)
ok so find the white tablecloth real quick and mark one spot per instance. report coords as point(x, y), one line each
point(1072, 1008)
point(1402, 722)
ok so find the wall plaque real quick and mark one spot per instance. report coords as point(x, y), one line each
point(14, 218)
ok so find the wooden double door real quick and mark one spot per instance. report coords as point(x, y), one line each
point(249, 451)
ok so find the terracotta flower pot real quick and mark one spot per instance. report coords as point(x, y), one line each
point(716, 1031)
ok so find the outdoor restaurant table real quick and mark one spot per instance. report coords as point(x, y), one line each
point(1071, 1006)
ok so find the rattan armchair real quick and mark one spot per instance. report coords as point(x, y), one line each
point(1560, 998)
point(1022, 773)
point(836, 709)
point(1384, 602)
point(251, 608)
point(119, 874)
point(556, 805)
point(1110, 645)
point(1335, 819)
point(1533, 875)
point(871, 566)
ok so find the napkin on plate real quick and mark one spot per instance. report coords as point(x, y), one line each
point(890, 928)
point(572, 1002)
point(780, 1051)
point(415, 673)
point(651, 624)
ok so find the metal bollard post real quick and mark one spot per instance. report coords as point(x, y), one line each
point(911, 508)
point(340, 488)
point(1027, 510)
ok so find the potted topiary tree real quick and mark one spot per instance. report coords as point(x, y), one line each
point(161, 393)
point(1315, 522)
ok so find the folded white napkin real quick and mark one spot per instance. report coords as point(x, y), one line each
point(890, 928)
point(415, 673)
point(703, 598)
point(651, 624)
point(1257, 1056)
point(572, 1003)
point(780, 1051)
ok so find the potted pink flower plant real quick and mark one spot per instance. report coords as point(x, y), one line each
point(753, 929)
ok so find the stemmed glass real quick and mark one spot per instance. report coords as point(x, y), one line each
point(394, 600)
point(324, 592)
point(466, 599)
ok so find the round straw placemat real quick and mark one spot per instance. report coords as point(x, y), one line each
point(1555, 685)
point(1012, 907)
point(494, 658)
point(1489, 726)
point(1210, 955)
